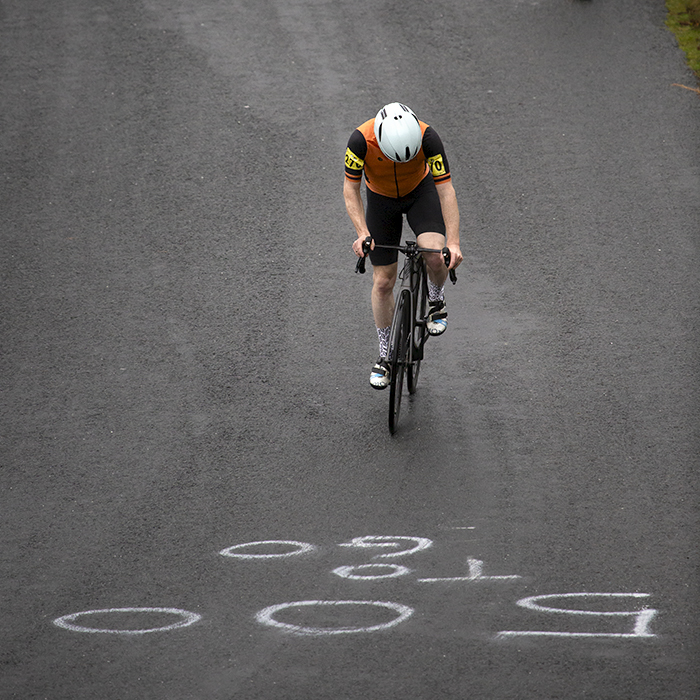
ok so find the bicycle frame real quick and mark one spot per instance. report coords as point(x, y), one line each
point(409, 331)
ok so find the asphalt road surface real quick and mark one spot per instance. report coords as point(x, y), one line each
point(200, 495)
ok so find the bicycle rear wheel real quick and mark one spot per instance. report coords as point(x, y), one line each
point(420, 328)
point(399, 348)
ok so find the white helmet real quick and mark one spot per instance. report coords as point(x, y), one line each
point(398, 132)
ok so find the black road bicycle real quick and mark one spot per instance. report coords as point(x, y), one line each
point(409, 326)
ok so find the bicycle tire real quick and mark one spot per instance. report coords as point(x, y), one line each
point(399, 349)
point(420, 328)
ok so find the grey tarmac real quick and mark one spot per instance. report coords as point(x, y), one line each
point(200, 495)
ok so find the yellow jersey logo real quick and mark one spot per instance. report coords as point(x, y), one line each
point(437, 167)
point(352, 161)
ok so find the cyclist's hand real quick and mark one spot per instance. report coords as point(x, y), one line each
point(358, 246)
point(455, 256)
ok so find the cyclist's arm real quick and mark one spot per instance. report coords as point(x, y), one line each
point(435, 154)
point(356, 212)
point(354, 167)
point(450, 213)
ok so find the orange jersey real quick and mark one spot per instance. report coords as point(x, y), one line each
point(386, 177)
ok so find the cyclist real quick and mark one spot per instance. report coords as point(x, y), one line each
point(406, 172)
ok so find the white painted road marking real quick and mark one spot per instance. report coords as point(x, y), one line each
point(279, 549)
point(476, 566)
point(352, 572)
point(68, 621)
point(302, 548)
point(371, 541)
point(266, 617)
point(643, 616)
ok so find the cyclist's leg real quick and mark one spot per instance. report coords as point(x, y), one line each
point(383, 280)
point(384, 221)
point(425, 218)
point(437, 274)
point(437, 270)
point(384, 277)
point(424, 215)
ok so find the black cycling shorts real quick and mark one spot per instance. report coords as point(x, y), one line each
point(384, 218)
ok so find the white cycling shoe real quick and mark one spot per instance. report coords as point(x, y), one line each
point(380, 378)
point(437, 317)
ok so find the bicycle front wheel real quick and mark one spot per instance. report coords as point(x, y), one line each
point(399, 344)
point(420, 327)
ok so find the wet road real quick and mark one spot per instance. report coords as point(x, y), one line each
point(186, 351)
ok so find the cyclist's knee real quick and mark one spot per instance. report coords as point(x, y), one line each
point(384, 278)
point(434, 261)
point(431, 240)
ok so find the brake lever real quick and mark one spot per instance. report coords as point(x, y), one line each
point(447, 257)
point(360, 266)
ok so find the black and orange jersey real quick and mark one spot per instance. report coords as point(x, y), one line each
point(386, 177)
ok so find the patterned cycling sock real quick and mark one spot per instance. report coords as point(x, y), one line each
point(383, 334)
point(435, 291)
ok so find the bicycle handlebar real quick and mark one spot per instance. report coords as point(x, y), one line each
point(360, 266)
